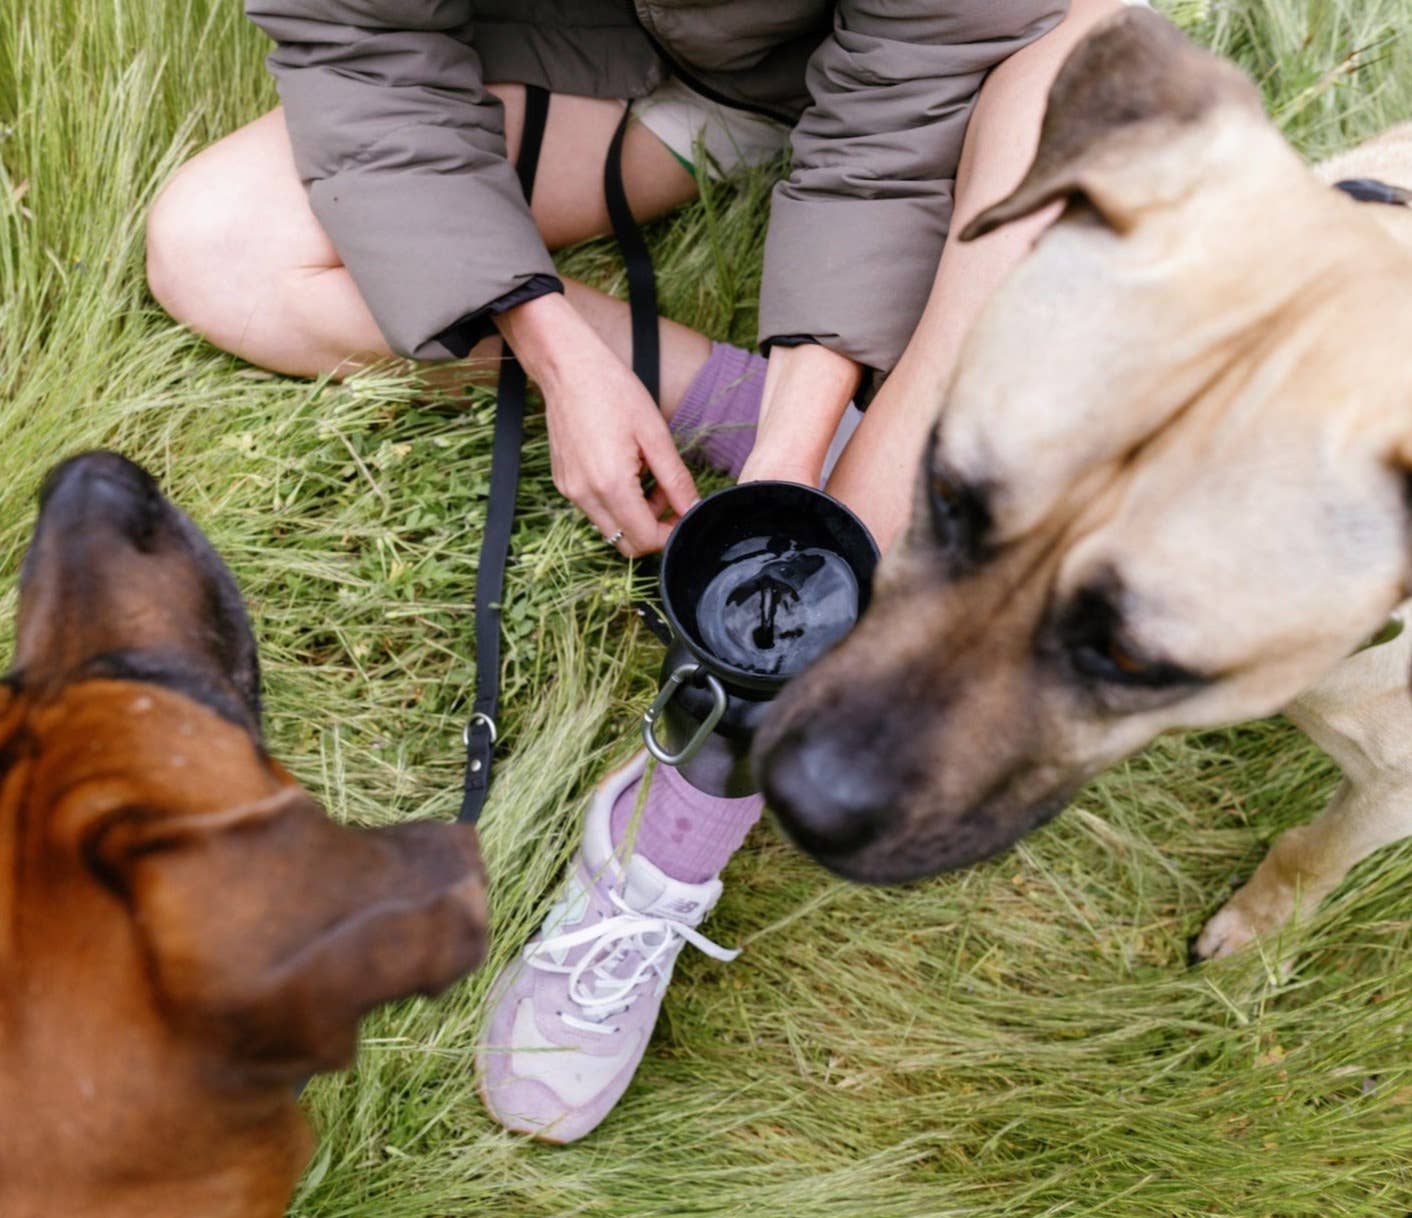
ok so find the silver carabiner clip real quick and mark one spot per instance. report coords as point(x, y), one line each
point(680, 676)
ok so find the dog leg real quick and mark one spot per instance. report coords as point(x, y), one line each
point(1361, 715)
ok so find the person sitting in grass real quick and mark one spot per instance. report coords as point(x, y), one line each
point(377, 212)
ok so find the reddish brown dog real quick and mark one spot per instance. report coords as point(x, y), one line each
point(184, 935)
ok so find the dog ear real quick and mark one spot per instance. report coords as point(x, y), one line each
point(269, 930)
point(1125, 94)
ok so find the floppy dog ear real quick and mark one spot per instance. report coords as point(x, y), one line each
point(1123, 96)
point(269, 930)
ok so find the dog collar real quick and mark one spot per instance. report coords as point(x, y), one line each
point(1370, 190)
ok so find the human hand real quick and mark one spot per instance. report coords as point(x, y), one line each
point(605, 431)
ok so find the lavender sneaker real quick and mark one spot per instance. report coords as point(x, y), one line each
point(571, 1019)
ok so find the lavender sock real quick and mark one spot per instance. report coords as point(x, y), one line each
point(685, 832)
point(716, 419)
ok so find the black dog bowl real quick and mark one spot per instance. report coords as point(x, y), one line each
point(756, 582)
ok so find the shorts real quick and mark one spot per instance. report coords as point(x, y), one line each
point(702, 134)
point(723, 138)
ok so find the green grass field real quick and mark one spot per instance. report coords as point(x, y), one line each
point(1024, 1038)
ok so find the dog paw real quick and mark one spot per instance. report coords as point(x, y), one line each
point(1244, 918)
point(1229, 931)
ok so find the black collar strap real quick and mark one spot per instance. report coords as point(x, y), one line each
point(1370, 190)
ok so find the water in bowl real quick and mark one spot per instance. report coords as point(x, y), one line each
point(774, 607)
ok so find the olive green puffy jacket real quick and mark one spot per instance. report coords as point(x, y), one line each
point(403, 151)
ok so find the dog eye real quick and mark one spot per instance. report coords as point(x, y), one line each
point(1091, 636)
point(958, 512)
point(1124, 660)
point(1119, 664)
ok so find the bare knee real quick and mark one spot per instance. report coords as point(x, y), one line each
point(233, 223)
point(235, 252)
point(1098, 9)
point(245, 274)
point(192, 234)
point(1079, 19)
point(1083, 14)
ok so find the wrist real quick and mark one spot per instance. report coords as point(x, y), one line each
point(780, 467)
point(807, 389)
point(549, 338)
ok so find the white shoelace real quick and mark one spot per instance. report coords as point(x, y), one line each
point(593, 985)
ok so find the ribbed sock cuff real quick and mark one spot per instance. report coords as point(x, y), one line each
point(716, 419)
point(685, 832)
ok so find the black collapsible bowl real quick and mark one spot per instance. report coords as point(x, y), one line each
point(714, 691)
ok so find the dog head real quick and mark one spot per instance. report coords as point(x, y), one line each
point(184, 935)
point(1168, 488)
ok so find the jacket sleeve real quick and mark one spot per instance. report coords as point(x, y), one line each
point(403, 153)
point(857, 229)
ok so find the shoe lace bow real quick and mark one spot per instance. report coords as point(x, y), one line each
point(595, 986)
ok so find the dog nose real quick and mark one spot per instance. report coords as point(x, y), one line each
point(108, 470)
point(830, 798)
point(100, 487)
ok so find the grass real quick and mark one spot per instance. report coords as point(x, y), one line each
point(1023, 1038)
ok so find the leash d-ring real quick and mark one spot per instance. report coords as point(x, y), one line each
point(479, 717)
point(680, 676)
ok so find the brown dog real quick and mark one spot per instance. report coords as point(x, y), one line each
point(184, 935)
point(1168, 488)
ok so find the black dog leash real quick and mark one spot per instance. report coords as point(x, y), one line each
point(642, 282)
point(642, 311)
point(482, 730)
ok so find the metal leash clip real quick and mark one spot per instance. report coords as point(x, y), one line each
point(679, 677)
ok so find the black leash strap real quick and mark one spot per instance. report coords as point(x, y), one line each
point(481, 730)
point(642, 309)
point(642, 283)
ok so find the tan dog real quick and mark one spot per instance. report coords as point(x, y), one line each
point(184, 935)
point(1168, 490)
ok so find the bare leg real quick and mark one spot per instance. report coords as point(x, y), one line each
point(877, 472)
point(1361, 715)
point(235, 252)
